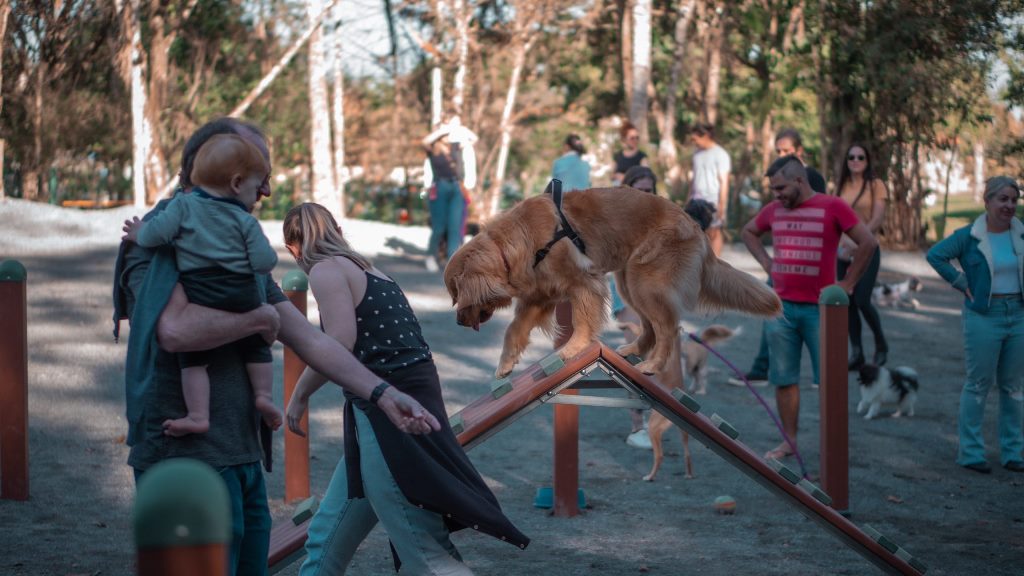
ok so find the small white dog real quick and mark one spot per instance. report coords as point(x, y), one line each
point(879, 385)
point(897, 294)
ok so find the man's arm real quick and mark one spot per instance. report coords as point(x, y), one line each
point(752, 238)
point(723, 195)
point(186, 327)
point(866, 246)
point(328, 357)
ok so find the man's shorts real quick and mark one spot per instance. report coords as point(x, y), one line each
point(787, 334)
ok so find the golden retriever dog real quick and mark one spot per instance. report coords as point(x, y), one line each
point(661, 259)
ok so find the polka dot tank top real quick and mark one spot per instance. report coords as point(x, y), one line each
point(388, 335)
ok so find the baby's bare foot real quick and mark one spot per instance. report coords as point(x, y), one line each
point(187, 425)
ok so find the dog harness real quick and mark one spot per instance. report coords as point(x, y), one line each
point(566, 231)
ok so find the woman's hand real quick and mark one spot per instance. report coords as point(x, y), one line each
point(296, 410)
point(967, 292)
point(405, 413)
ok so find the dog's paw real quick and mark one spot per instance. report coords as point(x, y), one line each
point(649, 367)
point(649, 478)
point(689, 476)
point(628, 348)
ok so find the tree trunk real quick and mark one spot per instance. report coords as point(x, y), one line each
point(667, 153)
point(338, 115)
point(324, 190)
point(436, 101)
point(5, 11)
point(462, 16)
point(715, 48)
point(979, 171)
point(626, 50)
point(140, 126)
point(284, 60)
point(494, 195)
point(641, 66)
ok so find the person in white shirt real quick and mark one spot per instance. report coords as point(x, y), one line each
point(710, 182)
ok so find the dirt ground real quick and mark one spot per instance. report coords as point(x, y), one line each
point(903, 480)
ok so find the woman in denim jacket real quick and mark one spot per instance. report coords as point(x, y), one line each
point(991, 255)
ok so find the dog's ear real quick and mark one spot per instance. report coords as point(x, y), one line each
point(480, 289)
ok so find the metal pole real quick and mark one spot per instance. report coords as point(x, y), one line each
point(13, 382)
point(296, 448)
point(567, 434)
point(182, 520)
point(833, 306)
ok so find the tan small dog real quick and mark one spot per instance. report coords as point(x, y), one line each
point(661, 259)
point(694, 363)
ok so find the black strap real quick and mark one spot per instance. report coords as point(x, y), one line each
point(555, 189)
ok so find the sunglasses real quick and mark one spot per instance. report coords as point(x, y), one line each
point(857, 157)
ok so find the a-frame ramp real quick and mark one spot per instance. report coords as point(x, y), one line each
point(540, 383)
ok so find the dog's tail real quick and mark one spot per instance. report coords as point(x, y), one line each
point(723, 287)
point(716, 334)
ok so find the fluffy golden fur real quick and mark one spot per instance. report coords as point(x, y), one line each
point(660, 257)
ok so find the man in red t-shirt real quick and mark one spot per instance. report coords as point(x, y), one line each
point(806, 228)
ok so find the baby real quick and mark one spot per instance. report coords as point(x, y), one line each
point(220, 249)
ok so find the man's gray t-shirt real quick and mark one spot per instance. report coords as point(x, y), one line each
point(233, 437)
point(708, 167)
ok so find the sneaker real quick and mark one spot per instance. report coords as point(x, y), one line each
point(431, 264)
point(639, 439)
point(756, 380)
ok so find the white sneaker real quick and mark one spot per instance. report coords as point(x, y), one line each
point(639, 439)
point(432, 264)
point(756, 383)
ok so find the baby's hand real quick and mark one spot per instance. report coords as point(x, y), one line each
point(131, 229)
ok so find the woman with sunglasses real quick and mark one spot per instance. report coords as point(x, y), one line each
point(866, 194)
point(630, 155)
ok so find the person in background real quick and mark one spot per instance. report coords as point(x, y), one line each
point(710, 183)
point(570, 167)
point(787, 143)
point(991, 256)
point(806, 230)
point(865, 193)
point(449, 173)
point(419, 487)
point(629, 156)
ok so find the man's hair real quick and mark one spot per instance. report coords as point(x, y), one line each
point(224, 125)
point(788, 166)
point(703, 129)
point(790, 134)
point(573, 141)
point(225, 156)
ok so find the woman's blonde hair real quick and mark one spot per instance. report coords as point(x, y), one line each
point(312, 228)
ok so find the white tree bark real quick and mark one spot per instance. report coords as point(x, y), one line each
point(5, 11)
point(641, 65)
point(324, 190)
point(667, 145)
point(435, 97)
point(715, 47)
point(979, 171)
point(141, 131)
point(338, 114)
point(494, 196)
point(462, 48)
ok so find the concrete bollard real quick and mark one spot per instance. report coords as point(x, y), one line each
point(13, 382)
point(296, 448)
point(833, 306)
point(182, 520)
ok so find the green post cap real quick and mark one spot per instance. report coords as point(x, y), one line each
point(834, 295)
point(295, 281)
point(12, 271)
point(181, 502)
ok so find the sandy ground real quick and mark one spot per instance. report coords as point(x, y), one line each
point(902, 477)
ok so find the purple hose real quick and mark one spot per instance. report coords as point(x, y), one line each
point(792, 446)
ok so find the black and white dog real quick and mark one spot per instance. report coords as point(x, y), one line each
point(897, 294)
point(879, 385)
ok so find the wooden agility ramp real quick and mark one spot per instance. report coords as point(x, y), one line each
point(543, 383)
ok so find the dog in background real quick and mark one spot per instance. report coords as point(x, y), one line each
point(661, 258)
point(879, 385)
point(694, 360)
point(897, 294)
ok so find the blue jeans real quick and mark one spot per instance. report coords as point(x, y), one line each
point(798, 326)
point(250, 518)
point(993, 353)
point(341, 524)
point(446, 217)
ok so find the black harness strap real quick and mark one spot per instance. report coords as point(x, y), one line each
point(566, 231)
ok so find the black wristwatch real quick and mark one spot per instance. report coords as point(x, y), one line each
point(378, 392)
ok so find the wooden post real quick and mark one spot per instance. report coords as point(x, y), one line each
point(182, 520)
point(13, 382)
point(833, 306)
point(296, 448)
point(567, 434)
